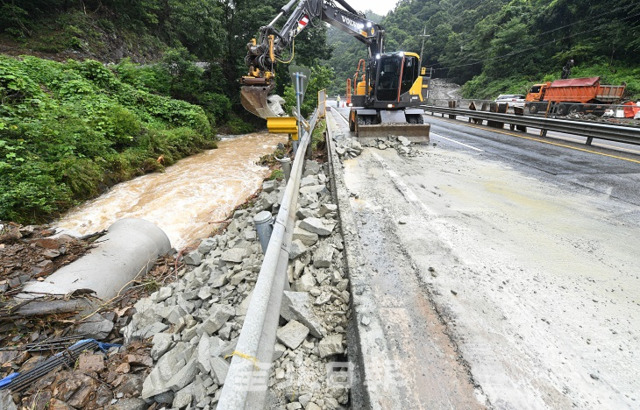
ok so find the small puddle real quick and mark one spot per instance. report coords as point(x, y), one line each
point(187, 199)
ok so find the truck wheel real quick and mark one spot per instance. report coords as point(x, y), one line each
point(574, 109)
point(533, 108)
point(563, 109)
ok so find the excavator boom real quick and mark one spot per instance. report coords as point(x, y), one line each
point(392, 90)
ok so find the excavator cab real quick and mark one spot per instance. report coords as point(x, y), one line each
point(397, 75)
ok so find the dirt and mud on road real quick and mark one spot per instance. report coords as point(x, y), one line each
point(537, 283)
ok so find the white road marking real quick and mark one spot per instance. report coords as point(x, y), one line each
point(409, 195)
point(457, 142)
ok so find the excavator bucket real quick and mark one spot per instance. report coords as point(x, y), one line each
point(417, 133)
point(257, 101)
point(394, 124)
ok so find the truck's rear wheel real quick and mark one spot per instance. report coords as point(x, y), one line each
point(563, 109)
point(533, 109)
point(575, 108)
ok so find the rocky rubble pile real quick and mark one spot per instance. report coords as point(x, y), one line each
point(316, 309)
point(347, 147)
point(194, 323)
point(401, 144)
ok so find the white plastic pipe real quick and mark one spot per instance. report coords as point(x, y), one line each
point(128, 250)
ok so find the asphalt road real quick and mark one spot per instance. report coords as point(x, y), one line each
point(527, 251)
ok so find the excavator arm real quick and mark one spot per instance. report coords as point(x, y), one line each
point(267, 50)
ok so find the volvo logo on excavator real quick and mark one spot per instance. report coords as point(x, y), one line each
point(354, 24)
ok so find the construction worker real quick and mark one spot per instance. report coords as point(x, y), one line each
point(337, 101)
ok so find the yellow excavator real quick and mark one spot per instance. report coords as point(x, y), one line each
point(387, 98)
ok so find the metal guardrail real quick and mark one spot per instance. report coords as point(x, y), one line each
point(591, 130)
point(248, 377)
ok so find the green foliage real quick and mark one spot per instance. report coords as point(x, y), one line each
point(238, 125)
point(482, 87)
point(68, 131)
point(276, 174)
point(153, 78)
point(317, 136)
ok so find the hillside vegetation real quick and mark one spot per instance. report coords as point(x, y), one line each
point(499, 46)
point(212, 31)
point(70, 130)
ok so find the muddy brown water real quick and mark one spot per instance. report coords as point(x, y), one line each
point(189, 198)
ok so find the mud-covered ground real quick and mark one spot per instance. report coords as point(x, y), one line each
point(535, 278)
point(95, 380)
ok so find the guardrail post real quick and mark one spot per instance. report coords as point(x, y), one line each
point(452, 104)
point(263, 223)
point(285, 163)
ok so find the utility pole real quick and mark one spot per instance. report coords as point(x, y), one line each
point(423, 35)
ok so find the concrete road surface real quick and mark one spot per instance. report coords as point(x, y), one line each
point(529, 254)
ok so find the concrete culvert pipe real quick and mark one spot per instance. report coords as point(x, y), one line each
point(128, 250)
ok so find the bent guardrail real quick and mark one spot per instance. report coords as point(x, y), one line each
point(248, 377)
point(591, 130)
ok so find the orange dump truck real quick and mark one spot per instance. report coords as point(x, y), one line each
point(574, 95)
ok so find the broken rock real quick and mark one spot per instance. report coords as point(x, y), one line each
point(219, 369)
point(330, 345)
point(297, 248)
point(317, 226)
point(297, 306)
point(306, 237)
point(91, 362)
point(292, 334)
point(192, 258)
point(234, 255)
point(218, 316)
point(323, 256)
point(305, 283)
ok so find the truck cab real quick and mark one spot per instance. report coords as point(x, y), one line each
point(536, 93)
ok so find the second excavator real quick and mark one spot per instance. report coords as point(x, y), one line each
point(388, 95)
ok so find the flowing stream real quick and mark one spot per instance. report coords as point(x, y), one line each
point(190, 198)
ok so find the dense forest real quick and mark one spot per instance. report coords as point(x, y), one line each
point(134, 81)
point(494, 46)
point(72, 128)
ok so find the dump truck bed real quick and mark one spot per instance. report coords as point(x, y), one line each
point(583, 90)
